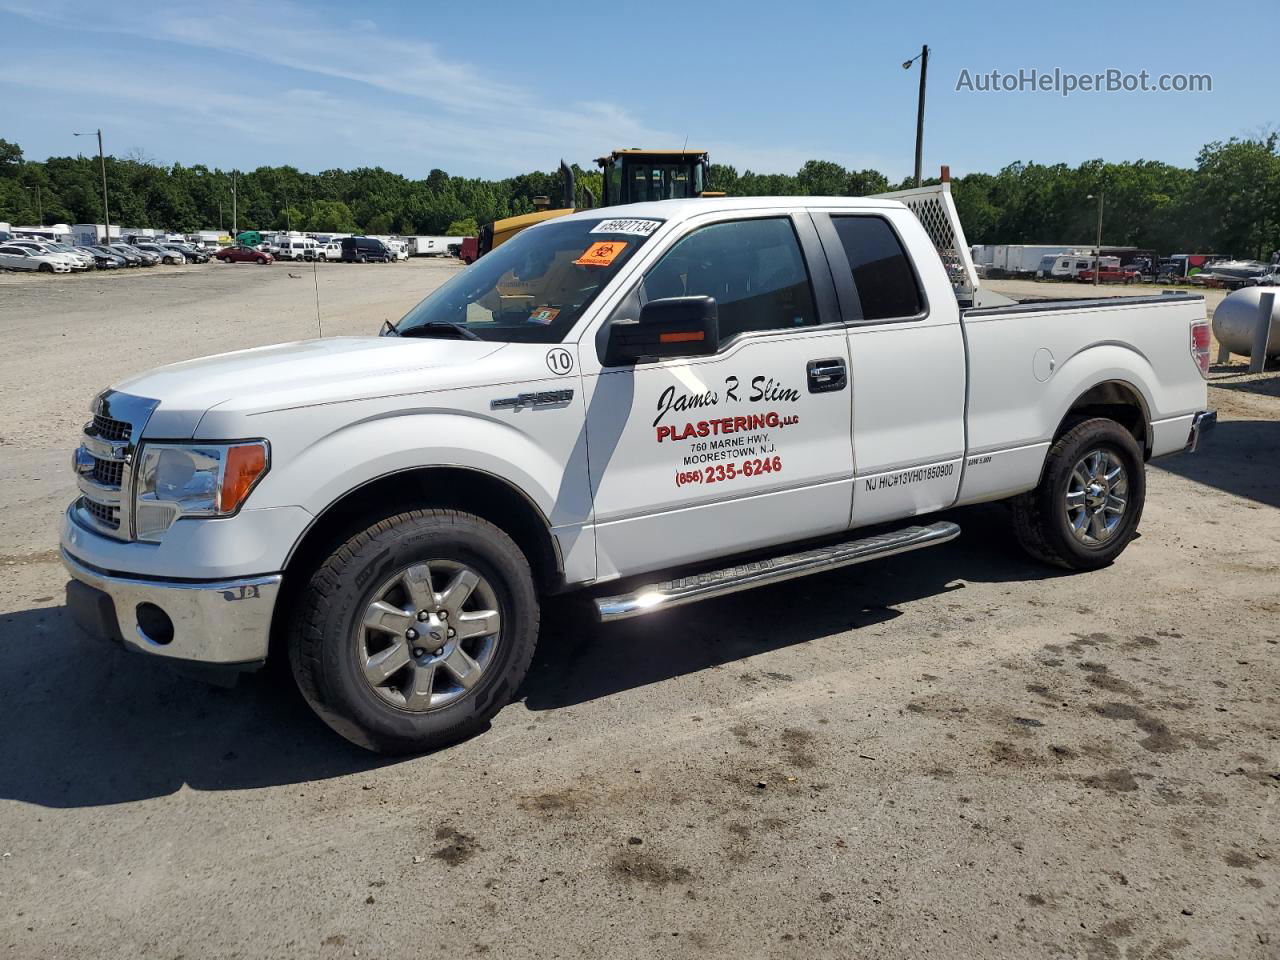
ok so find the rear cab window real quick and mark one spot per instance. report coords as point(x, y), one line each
point(883, 274)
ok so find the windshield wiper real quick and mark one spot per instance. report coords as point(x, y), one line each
point(432, 327)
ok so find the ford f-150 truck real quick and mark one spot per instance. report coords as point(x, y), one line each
point(731, 391)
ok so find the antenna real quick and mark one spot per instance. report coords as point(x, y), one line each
point(315, 278)
point(684, 148)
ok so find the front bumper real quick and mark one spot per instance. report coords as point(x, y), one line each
point(224, 623)
point(1201, 425)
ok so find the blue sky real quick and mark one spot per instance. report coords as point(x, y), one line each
point(496, 88)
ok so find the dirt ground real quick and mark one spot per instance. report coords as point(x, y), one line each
point(953, 753)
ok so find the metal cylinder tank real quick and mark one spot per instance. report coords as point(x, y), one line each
point(1236, 319)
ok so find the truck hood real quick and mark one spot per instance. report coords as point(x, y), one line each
point(303, 373)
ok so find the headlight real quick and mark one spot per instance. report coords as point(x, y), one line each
point(193, 480)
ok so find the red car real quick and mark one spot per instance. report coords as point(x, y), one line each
point(239, 254)
point(1111, 275)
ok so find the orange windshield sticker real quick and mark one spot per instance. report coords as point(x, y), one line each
point(544, 315)
point(601, 254)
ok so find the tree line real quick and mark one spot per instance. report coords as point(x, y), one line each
point(1229, 202)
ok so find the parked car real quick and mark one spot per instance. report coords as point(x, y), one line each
point(166, 254)
point(14, 257)
point(396, 509)
point(191, 253)
point(130, 258)
point(238, 253)
point(147, 258)
point(86, 260)
point(1111, 275)
point(102, 261)
point(398, 249)
point(332, 251)
point(364, 250)
point(45, 248)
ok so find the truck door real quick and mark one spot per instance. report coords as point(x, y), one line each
point(907, 364)
point(706, 456)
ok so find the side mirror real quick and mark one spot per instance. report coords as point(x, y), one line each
point(674, 327)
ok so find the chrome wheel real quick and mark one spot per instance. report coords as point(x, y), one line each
point(428, 635)
point(1097, 497)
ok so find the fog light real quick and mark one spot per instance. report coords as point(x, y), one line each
point(154, 624)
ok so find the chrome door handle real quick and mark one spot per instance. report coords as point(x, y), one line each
point(825, 376)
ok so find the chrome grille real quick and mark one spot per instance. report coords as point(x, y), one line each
point(108, 472)
point(104, 463)
point(105, 515)
point(109, 429)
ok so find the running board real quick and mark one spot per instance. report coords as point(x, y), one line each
point(717, 583)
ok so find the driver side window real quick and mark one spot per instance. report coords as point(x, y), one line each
point(753, 268)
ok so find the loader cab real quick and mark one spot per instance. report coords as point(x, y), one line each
point(637, 176)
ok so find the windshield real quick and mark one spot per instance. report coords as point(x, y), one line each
point(534, 287)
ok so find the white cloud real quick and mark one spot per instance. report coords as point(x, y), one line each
point(410, 107)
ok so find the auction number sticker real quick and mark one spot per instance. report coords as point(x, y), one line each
point(602, 253)
point(560, 361)
point(639, 228)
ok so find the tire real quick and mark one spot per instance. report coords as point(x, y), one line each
point(1044, 520)
point(361, 259)
point(322, 258)
point(45, 268)
point(262, 261)
point(330, 649)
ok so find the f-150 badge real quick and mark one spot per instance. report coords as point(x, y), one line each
point(546, 398)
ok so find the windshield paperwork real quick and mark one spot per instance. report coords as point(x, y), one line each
point(534, 287)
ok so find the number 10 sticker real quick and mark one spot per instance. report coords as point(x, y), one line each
point(560, 361)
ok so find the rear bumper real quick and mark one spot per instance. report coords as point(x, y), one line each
point(225, 623)
point(1201, 425)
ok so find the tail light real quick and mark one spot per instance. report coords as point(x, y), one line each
point(1200, 346)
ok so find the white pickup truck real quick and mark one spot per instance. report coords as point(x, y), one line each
point(727, 390)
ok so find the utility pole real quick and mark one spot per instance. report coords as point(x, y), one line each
point(1097, 250)
point(923, 57)
point(39, 202)
point(288, 217)
point(102, 159)
point(235, 229)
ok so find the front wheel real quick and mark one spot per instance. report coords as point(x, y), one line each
point(45, 268)
point(1089, 501)
point(416, 631)
point(262, 261)
point(322, 258)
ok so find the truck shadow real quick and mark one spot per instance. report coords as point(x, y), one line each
point(87, 724)
point(579, 660)
point(1240, 457)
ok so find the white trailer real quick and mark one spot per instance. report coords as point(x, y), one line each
point(431, 246)
point(1023, 259)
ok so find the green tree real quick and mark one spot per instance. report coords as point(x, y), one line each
point(462, 228)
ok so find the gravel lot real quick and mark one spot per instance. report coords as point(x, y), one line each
point(953, 753)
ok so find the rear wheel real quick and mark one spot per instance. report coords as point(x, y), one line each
point(45, 268)
point(1089, 501)
point(262, 260)
point(416, 631)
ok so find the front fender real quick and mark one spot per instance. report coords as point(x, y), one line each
point(356, 453)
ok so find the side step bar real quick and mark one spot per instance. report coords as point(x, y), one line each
point(717, 583)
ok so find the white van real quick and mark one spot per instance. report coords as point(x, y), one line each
point(299, 248)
